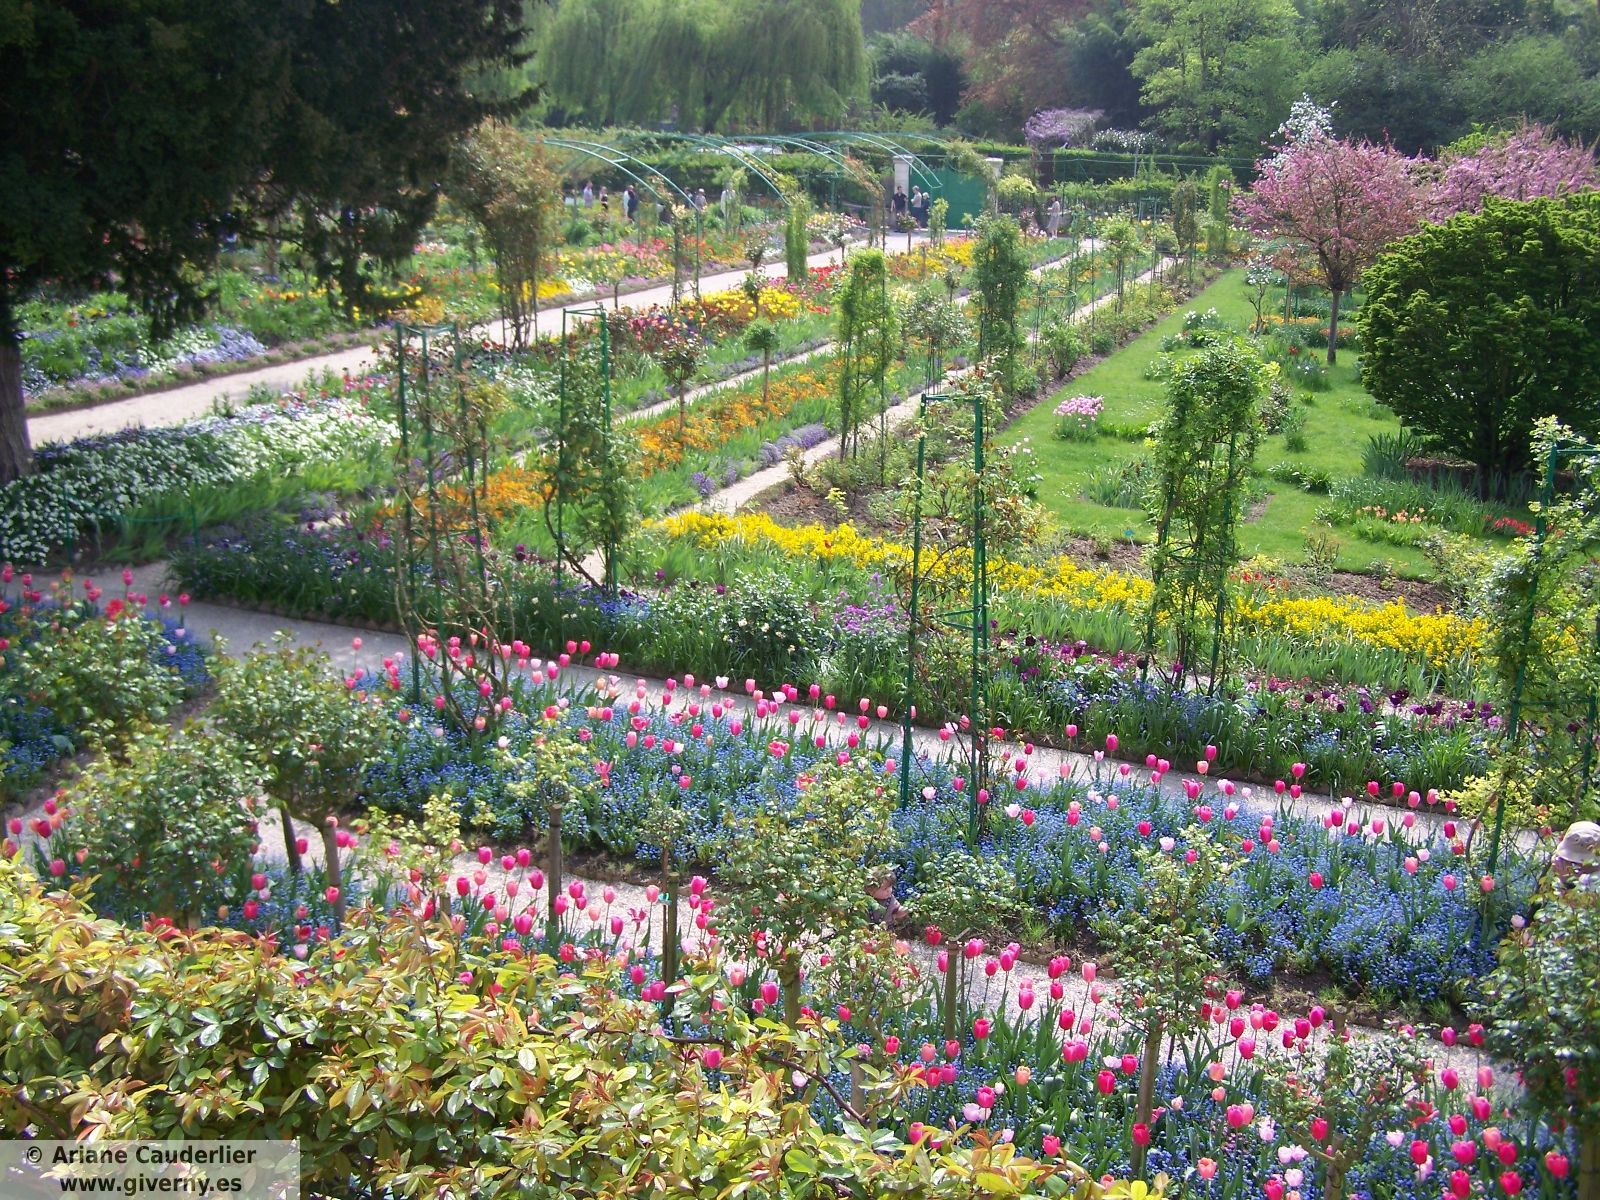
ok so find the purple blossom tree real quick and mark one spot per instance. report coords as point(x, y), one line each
point(1344, 201)
point(1524, 165)
point(1061, 128)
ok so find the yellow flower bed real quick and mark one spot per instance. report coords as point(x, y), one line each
point(1436, 637)
point(1432, 637)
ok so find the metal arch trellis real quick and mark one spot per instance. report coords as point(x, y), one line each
point(841, 163)
point(1519, 700)
point(975, 619)
point(925, 174)
point(564, 466)
point(729, 150)
point(618, 160)
point(425, 448)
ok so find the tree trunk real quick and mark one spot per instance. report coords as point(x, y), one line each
point(330, 849)
point(766, 371)
point(952, 965)
point(1147, 1091)
point(16, 453)
point(669, 932)
point(1589, 1166)
point(789, 981)
point(554, 867)
point(289, 848)
point(1333, 326)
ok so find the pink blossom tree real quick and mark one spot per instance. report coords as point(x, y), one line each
point(1343, 201)
point(1523, 165)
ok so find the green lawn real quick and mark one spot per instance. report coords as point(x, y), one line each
point(1340, 421)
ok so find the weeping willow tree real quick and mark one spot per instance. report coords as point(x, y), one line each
point(718, 62)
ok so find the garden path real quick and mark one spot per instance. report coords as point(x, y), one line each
point(175, 405)
point(731, 499)
point(351, 650)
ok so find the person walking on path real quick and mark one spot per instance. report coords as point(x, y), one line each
point(588, 193)
point(899, 202)
point(630, 202)
point(1055, 216)
point(700, 200)
point(605, 201)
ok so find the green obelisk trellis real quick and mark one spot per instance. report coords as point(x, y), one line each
point(1520, 702)
point(438, 434)
point(974, 618)
point(565, 456)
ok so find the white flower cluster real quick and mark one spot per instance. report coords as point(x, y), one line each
point(80, 486)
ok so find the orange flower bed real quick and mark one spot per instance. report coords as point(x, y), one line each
point(711, 423)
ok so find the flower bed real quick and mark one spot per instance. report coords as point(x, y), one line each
point(72, 671)
point(1438, 641)
point(83, 487)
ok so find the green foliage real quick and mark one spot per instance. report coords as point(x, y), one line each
point(1214, 72)
point(1544, 1008)
point(866, 346)
point(500, 177)
point(324, 101)
point(1015, 193)
point(1541, 602)
point(611, 62)
point(1001, 273)
point(934, 323)
point(102, 677)
point(1360, 1087)
point(964, 896)
point(1497, 311)
point(1205, 444)
point(164, 829)
point(589, 486)
point(804, 868)
point(1063, 346)
point(400, 1071)
point(796, 241)
point(311, 737)
point(938, 216)
point(1185, 215)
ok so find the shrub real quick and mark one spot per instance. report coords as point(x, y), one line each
point(402, 1071)
point(165, 829)
point(1545, 1007)
point(310, 736)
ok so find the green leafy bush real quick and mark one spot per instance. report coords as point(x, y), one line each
point(406, 1059)
point(166, 828)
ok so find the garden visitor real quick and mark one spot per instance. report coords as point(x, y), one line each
point(726, 203)
point(1577, 859)
point(700, 200)
point(917, 201)
point(899, 201)
point(1055, 216)
point(885, 908)
point(630, 202)
point(605, 201)
point(588, 193)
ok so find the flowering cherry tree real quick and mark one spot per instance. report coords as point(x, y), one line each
point(1345, 201)
point(1524, 165)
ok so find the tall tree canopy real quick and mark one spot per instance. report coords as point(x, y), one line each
point(1216, 70)
point(1474, 329)
point(711, 62)
point(155, 128)
point(1015, 48)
